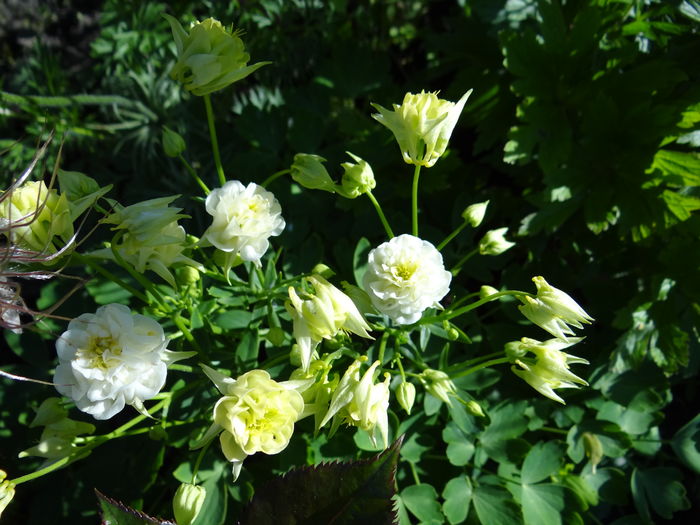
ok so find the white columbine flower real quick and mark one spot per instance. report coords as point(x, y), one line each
point(110, 359)
point(244, 218)
point(405, 276)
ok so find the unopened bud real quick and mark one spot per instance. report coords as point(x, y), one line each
point(487, 291)
point(474, 409)
point(406, 395)
point(188, 502)
point(323, 270)
point(188, 275)
point(358, 177)
point(450, 330)
point(438, 384)
point(514, 350)
point(474, 214)
point(309, 171)
point(593, 449)
point(7, 491)
point(173, 143)
point(494, 242)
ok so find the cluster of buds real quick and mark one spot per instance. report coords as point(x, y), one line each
point(438, 384)
point(7, 491)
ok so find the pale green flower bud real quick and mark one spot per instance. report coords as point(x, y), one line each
point(406, 395)
point(450, 330)
point(561, 303)
point(494, 242)
point(422, 125)
point(593, 449)
point(188, 502)
point(514, 351)
point(308, 171)
point(474, 213)
point(210, 58)
point(358, 178)
point(438, 384)
point(173, 143)
point(323, 270)
point(487, 291)
point(474, 408)
point(7, 491)
point(32, 216)
point(189, 275)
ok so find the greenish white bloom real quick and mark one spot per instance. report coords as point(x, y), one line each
point(188, 502)
point(256, 414)
point(33, 217)
point(210, 57)
point(422, 125)
point(7, 491)
point(358, 178)
point(561, 303)
point(152, 238)
point(550, 367)
point(321, 316)
point(474, 213)
point(406, 395)
point(438, 384)
point(308, 171)
point(494, 242)
point(110, 359)
point(244, 218)
point(405, 276)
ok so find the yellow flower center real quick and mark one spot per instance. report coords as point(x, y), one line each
point(405, 270)
point(96, 350)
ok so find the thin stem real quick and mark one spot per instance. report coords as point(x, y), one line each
point(414, 472)
point(464, 259)
point(180, 323)
point(382, 218)
point(414, 201)
point(272, 178)
point(214, 142)
point(109, 275)
point(554, 430)
point(198, 462)
point(452, 235)
point(191, 171)
point(454, 313)
point(487, 364)
point(139, 278)
point(382, 347)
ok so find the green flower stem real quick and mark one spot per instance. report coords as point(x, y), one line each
point(180, 323)
point(446, 316)
point(191, 171)
point(140, 278)
point(109, 275)
point(471, 362)
point(554, 430)
point(214, 142)
point(452, 235)
point(198, 462)
point(96, 441)
point(414, 472)
point(492, 362)
point(382, 218)
point(460, 263)
point(181, 368)
point(272, 178)
point(382, 347)
point(414, 201)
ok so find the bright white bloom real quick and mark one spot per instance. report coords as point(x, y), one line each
point(494, 242)
point(422, 125)
point(405, 276)
point(322, 316)
point(257, 414)
point(110, 359)
point(550, 367)
point(244, 218)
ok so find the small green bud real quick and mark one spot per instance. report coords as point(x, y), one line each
point(452, 332)
point(188, 502)
point(593, 449)
point(474, 213)
point(474, 409)
point(406, 395)
point(358, 178)
point(323, 270)
point(173, 143)
point(487, 291)
point(309, 171)
point(514, 350)
point(188, 275)
point(494, 242)
point(438, 384)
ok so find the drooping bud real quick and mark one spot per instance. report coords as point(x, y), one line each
point(308, 171)
point(188, 502)
point(406, 395)
point(438, 384)
point(173, 143)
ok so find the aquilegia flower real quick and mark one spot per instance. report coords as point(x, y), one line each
point(210, 58)
point(244, 218)
point(494, 242)
point(405, 276)
point(256, 414)
point(110, 359)
point(322, 316)
point(550, 367)
point(422, 125)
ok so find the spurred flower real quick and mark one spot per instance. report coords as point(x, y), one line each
point(422, 125)
point(405, 276)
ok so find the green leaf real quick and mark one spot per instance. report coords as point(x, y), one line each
point(542, 461)
point(343, 493)
point(659, 487)
point(457, 495)
point(683, 168)
point(82, 191)
point(460, 448)
point(247, 350)
point(233, 320)
point(359, 259)
point(508, 421)
point(421, 500)
point(614, 441)
point(116, 513)
point(686, 444)
point(495, 506)
point(542, 504)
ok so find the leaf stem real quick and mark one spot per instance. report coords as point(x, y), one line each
point(272, 178)
point(214, 142)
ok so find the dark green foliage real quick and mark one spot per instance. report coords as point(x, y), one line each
point(115, 513)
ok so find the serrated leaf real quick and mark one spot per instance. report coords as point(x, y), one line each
point(686, 444)
point(542, 461)
point(542, 504)
point(421, 500)
point(495, 506)
point(343, 493)
point(457, 495)
point(116, 513)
